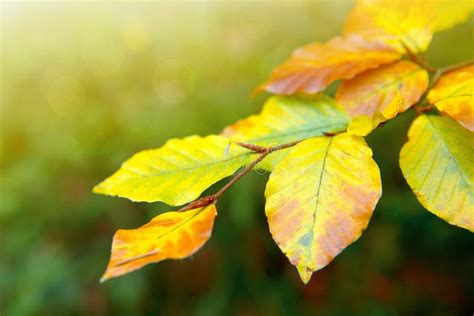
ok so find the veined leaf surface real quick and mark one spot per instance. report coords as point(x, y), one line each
point(288, 118)
point(178, 172)
point(437, 162)
point(172, 235)
point(454, 95)
point(313, 67)
point(320, 198)
point(373, 90)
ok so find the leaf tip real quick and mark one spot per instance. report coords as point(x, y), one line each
point(305, 274)
point(100, 188)
point(259, 89)
point(104, 278)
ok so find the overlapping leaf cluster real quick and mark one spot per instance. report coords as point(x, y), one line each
point(324, 184)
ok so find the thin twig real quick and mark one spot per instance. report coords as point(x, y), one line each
point(263, 151)
point(417, 59)
point(422, 106)
point(453, 67)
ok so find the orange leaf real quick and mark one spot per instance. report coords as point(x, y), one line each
point(173, 235)
point(454, 95)
point(372, 91)
point(312, 68)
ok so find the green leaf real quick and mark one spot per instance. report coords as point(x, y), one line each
point(289, 118)
point(437, 162)
point(178, 172)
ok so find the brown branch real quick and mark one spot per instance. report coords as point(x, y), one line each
point(417, 59)
point(252, 147)
point(453, 67)
point(422, 106)
point(263, 151)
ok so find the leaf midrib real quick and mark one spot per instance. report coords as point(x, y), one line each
point(319, 190)
point(276, 136)
point(198, 166)
point(387, 85)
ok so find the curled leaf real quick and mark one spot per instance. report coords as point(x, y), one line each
point(173, 235)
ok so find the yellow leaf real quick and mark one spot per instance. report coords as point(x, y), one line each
point(312, 68)
point(173, 235)
point(288, 118)
point(406, 20)
point(178, 172)
point(449, 13)
point(411, 22)
point(320, 198)
point(454, 95)
point(437, 162)
point(362, 125)
point(373, 91)
point(392, 109)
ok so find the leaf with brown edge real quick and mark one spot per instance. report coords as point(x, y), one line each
point(373, 90)
point(172, 235)
point(454, 95)
point(320, 198)
point(313, 67)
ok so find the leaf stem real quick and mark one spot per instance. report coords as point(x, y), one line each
point(263, 151)
point(418, 107)
point(417, 59)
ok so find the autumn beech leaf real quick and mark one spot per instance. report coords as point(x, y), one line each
point(172, 235)
point(437, 162)
point(405, 23)
point(363, 125)
point(454, 95)
point(320, 198)
point(374, 90)
point(178, 172)
point(313, 67)
point(324, 184)
point(449, 13)
point(403, 19)
point(288, 118)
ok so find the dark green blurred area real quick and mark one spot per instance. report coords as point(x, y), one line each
point(86, 85)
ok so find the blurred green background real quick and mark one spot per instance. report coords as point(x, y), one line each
point(87, 84)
